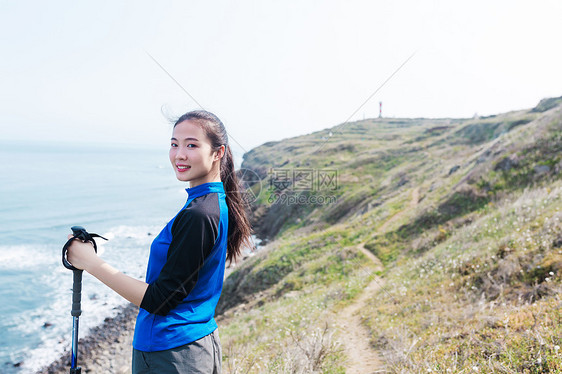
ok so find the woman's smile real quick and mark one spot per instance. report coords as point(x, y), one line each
point(182, 168)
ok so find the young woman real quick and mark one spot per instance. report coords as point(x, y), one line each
point(175, 330)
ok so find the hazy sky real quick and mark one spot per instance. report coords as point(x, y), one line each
point(269, 69)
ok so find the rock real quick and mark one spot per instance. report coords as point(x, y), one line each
point(453, 169)
point(558, 167)
point(506, 163)
point(483, 157)
point(541, 169)
point(432, 186)
point(403, 180)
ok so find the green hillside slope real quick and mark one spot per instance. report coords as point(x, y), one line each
point(464, 215)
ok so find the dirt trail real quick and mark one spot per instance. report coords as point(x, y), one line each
point(363, 359)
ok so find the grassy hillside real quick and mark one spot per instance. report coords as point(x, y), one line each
point(463, 214)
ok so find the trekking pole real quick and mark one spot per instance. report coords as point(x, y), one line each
point(78, 233)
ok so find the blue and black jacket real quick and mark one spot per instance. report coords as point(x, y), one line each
point(185, 273)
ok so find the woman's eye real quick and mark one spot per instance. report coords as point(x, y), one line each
point(174, 145)
point(191, 145)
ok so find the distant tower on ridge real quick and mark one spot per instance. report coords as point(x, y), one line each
point(380, 109)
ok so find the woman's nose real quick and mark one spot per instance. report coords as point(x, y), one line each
point(181, 153)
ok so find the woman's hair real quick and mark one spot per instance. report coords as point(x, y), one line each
point(239, 230)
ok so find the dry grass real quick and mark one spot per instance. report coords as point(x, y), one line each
point(289, 327)
point(486, 299)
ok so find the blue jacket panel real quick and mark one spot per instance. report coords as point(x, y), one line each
point(185, 273)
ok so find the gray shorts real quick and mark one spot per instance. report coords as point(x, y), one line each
point(202, 356)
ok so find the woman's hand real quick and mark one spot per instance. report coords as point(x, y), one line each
point(82, 255)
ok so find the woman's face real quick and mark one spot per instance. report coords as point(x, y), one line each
point(191, 155)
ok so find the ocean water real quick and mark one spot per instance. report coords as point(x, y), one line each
point(125, 193)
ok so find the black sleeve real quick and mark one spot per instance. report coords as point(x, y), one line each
point(193, 237)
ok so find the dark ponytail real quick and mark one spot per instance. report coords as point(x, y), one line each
point(239, 230)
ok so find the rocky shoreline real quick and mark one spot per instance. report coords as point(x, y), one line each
point(106, 349)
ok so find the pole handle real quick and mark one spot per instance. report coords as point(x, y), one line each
point(76, 293)
point(78, 232)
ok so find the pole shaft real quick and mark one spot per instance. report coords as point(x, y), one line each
point(74, 358)
point(75, 312)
